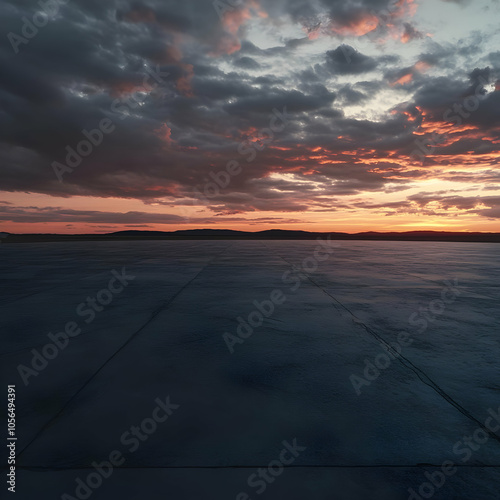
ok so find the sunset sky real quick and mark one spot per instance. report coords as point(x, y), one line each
point(320, 115)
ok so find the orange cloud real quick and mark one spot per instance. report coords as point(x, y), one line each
point(403, 9)
point(403, 80)
point(418, 67)
point(122, 88)
point(228, 44)
point(165, 133)
point(232, 21)
point(422, 66)
point(313, 34)
point(411, 118)
point(368, 21)
point(359, 27)
point(405, 37)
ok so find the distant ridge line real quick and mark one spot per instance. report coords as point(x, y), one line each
point(271, 234)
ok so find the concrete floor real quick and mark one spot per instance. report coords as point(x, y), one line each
point(288, 380)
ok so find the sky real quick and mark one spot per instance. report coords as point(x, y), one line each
point(319, 115)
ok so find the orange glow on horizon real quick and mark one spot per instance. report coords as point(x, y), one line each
point(351, 227)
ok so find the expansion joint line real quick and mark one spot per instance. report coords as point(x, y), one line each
point(405, 361)
point(134, 335)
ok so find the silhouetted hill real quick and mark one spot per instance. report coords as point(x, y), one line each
point(272, 234)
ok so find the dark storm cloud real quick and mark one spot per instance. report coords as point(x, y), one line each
point(341, 12)
point(247, 63)
point(444, 56)
point(35, 214)
point(345, 60)
point(352, 96)
point(214, 90)
point(293, 100)
point(56, 214)
point(21, 81)
point(463, 100)
point(411, 33)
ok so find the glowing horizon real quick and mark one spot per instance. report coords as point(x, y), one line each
point(317, 116)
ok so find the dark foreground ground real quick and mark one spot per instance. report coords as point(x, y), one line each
point(374, 372)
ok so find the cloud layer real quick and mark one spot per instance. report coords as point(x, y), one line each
point(194, 94)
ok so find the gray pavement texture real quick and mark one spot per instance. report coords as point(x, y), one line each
point(371, 370)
